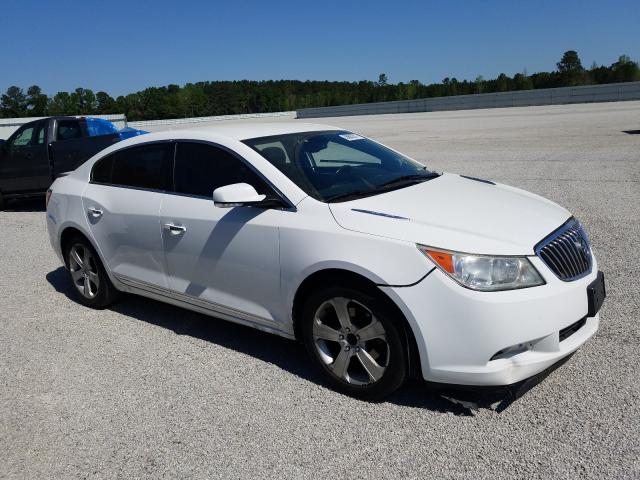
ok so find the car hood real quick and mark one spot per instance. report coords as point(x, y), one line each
point(456, 213)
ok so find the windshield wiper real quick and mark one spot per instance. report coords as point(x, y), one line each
point(402, 180)
point(409, 179)
point(350, 195)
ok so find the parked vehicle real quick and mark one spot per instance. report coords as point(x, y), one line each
point(41, 150)
point(380, 266)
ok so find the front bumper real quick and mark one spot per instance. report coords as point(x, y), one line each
point(464, 337)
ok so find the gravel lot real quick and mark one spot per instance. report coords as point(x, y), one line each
point(146, 390)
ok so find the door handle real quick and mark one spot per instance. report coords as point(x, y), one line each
point(175, 229)
point(95, 212)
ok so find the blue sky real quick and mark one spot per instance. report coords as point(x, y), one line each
point(122, 47)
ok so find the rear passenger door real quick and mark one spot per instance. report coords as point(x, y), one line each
point(122, 205)
point(226, 258)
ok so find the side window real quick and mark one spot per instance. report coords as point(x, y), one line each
point(101, 172)
point(42, 130)
point(23, 137)
point(68, 129)
point(201, 168)
point(139, 167)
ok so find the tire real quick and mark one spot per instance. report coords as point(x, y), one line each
point(360, 352)
point(1, 202)
point(91, 284)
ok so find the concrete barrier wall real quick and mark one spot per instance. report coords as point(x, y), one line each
point(171, 122)
point(10, 125)
point(612, 92)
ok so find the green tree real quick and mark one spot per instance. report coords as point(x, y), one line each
point(105, 103)
point(503, 83)
point(36, 101)
point(570, 68)
point(84, 101)
point(61, 104)
point(413, 88)
point(522, 81)
point(13, 103)
point(382, 79)
point(624, 70)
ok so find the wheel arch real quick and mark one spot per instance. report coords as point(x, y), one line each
point(348, 278)
point(67, 233)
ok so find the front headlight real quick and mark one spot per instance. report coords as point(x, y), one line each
point(484, 272)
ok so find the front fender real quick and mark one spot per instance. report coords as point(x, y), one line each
point(381, 260)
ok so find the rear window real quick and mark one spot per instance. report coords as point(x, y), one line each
point(138, 167)
point(68, 130)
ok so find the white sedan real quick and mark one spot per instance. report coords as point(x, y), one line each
point(379, 266)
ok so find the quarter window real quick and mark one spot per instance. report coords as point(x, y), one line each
point(102, 170)
point(201, 168)
point(42, 128)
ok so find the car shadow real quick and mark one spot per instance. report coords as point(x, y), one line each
point(29, 204)
point(290, 355)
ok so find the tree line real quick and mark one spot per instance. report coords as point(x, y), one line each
point(247, 96)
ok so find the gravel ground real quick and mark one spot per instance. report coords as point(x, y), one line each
point(146, 390)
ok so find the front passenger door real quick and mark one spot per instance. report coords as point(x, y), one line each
point(24, 166)
point(227, 257)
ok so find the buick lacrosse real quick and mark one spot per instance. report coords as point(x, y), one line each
point(381, 267)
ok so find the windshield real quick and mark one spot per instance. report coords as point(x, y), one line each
point(336, 166)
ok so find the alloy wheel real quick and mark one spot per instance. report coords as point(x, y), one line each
point(351, 341)
point(84, 271)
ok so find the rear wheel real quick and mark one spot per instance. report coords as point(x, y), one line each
point(352, 338)
point(91, 284)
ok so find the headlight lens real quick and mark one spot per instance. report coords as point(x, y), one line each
point(484, 272)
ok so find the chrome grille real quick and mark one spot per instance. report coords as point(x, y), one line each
point(566, 251)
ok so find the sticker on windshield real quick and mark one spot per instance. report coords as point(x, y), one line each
point(351, 136)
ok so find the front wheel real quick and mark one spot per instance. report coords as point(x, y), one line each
point(352, 338)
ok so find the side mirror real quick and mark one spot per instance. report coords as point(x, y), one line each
point(236, 195)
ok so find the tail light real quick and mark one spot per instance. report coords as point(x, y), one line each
point(47, 198)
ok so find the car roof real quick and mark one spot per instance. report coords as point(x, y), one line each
point(238, 131)
point(253, 130)
point(234, 132)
